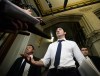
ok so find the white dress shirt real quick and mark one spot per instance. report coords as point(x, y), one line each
point(27, 66)
point(69, 49)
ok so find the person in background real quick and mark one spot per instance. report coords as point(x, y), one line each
point(21, 67)
point(94, 59)
point(61, 54)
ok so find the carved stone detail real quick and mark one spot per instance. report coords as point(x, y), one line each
point(85, 9)
point(64, 18)
point(93, 37)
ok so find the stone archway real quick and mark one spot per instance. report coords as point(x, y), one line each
point(92, 33)
point(73, 22)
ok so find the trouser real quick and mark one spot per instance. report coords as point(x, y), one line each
point(63, 72)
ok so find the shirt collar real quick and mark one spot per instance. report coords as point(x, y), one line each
point(62, 39)
point(86, 57)
point(31, 56)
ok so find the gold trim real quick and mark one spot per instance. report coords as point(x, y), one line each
point(60, 9)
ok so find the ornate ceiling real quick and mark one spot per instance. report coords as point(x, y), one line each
point(57, 5)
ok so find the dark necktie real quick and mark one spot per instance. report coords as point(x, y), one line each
point(21, 70)
point(57, 57)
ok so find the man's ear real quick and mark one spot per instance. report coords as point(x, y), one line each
point(65, 33)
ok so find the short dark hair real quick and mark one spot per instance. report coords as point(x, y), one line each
point(60, 27)
point(31, 45)
point(85, 46)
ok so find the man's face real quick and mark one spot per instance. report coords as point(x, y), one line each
point(60, 32)
point(29, 49)
point(84, 51)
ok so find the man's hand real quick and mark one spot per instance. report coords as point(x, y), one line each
point(26, 57)
point(28, 11)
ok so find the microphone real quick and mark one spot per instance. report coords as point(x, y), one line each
point(49, 4)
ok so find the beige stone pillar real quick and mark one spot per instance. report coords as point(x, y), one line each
point(91, 26)
point(93, 20)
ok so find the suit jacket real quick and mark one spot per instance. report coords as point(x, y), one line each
point(33, 70)
point(96, 61)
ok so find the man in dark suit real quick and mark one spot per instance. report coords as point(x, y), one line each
point(22, 68)
point(94, 59)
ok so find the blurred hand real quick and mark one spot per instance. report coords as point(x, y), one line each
point(39, 18)
point(26, 57)
point(28, 11)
